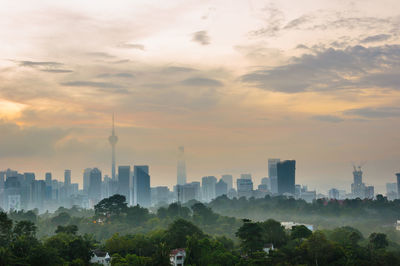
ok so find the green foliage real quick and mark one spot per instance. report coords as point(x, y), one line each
point(69, 229)
point(299, 232)
point(61, 219)
point(178, 232)
point(378, 240)
point(251, 237)
point(111, 207)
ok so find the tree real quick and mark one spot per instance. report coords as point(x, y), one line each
point(112, 206)
point(378, 240)
point(5, 229)
point(69, 229)
point(61, 219)
point(178, 232)
point(251, 237)
point(300, 231)
point(274, 232)
point(203, 214)
point(25, 228)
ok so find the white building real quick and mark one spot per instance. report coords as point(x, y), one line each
point(177, 257)
point(101, 257)
point(289, 225)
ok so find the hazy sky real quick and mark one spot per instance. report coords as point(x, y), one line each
point(235, 82)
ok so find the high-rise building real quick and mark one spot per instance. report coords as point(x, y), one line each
point(221, 188)
point(286, 172)
point(123, 181)
point(142, 192)
point(29, 178)
point(86, 179)
point(398, 185)
point(113, 139)
point(181, 167)
point(208, 188)
point(244, 187)
point(245, 176)
point(228, 179)
point(266, 183)
point(358, 187)
point(273, 174)
point(369, 192)
point(48, 179)
point(2, 179)
point(161, 195)
point(38, 194)
point(95, 187)
point(391, 191)
point(67, 178)
point(334, 193)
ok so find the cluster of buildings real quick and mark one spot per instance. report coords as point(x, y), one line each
point(23, 191)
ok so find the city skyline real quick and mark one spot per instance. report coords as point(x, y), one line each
point(234, 84)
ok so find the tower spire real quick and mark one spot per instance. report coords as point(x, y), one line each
point(113, 139)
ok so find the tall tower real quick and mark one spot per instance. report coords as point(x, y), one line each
point(113, 139)
point(181, 167)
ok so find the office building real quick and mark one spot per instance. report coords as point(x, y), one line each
point(181, 167)
point(95, 187)
point(245, 176)
point(67, 178)
point(358, 187)
point(369, 192)
point(221, 188)
point(124, 173)
point(142, 193)
point(86, 179)
point(334, 194)
point(244, 188)
point(286, 171)
point(208, 188)
point(113, 139)
point(273, 174)
point(48, 178)
point(391, 191)
point(160, 195)
point(228, 179)
point(398, 185)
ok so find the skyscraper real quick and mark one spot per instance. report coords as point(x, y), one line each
point(86, 179)
point(142, 192)
point(67, 178)
point(286, 171)
point(113, 139)
point(358, 187)
point(181, 167)
point(48, 179)
point(273, 174)
point(123, 181)
point(208, 187)
point(244, 187)
point(95, 186)
point(221, 188)
point(398, 185)
point(228, 179)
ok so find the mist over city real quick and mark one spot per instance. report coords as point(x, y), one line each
point(200, 132)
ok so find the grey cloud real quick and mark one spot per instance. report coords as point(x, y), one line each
point(94, 84)
point(328, 118)
point(39, 64)
point(100, 54)
point(176, 69)
point(57, 70)
point(201, 37)
point(202, 82)
point(297, 22)
point(28, 141)
point(273, 23)
point(118, 75)
point(380, 112)
point(302, 46)
point(329, 69)
point(132, 46)
point(376, 38)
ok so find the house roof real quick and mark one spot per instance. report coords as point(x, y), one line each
point(176, 251)
point(100, 253)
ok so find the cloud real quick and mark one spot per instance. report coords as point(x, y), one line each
point(118, 75)
point(273, 23)
point(132, 46)
point(201, 82)
point(16, 141)
point(379, 112)
point(104, 85)
point(201, 37)
point(328, 118)
point(57, 70)
point(376, 38)
point(297, 22)
point(355, 67)
point(100, 54)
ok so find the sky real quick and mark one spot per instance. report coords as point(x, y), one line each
point(235, 82)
